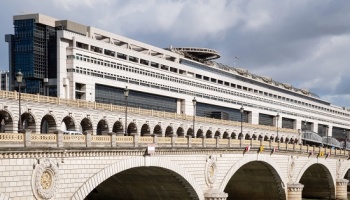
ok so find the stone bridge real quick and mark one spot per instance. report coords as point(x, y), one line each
point(160, 157)
point(58, 166)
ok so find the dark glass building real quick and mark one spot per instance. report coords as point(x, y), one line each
point(33, 53)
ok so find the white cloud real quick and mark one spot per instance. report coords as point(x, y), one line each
point(70, 5)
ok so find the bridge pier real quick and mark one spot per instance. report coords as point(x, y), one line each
point(341, 189)
point(215, 195)
point(294, 191)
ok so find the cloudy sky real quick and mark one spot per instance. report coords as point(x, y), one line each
point(301, 42)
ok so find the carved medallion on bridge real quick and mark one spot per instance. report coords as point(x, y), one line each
point(45, 179)
point(210, 170)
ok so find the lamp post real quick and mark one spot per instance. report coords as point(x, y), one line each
point(126, 94)
point(346, 139)
point(327, 135)
point(277, 118)
point(194, 101)
point(19, 77)
point(242, 111)
point(304, 131)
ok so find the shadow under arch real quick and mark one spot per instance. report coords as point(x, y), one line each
point(48, 124)
point(317, 179)
point(102, 127)
point(121, 166)
point(266, 163)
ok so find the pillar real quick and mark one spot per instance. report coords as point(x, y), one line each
point(136, 140)
point(27, 138)
point(59, 135)
point(172, 141)
point(88, 138)
point(113, 138)
point(215, 195)
point(294, 191)
point(341, 191)
point(155, 139)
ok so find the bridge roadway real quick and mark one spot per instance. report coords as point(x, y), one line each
point(104, 164)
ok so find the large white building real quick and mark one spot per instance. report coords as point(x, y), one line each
point(97, 65)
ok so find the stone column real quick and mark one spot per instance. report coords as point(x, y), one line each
point(113, 138)
point(172, 141)
point(341, 191)
point(136, 140)
point(215, 195)
point(88, 138)
point(294, 191)
point(155, 139)
point(189, 140)
point(59, 135)
point(27, 138)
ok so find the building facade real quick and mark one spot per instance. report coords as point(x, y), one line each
point(69, 60)
point(4, 80)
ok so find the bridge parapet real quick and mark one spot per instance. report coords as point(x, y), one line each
point(28, 139)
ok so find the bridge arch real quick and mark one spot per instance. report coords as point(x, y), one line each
point(344, 171)
point(86, 124)
point(7, 121)
point(266, 160)
point(321, 161)
point(48, 123)
point(180, 132)
point(217, 134)
point(225, 135)
point(102, 127)
point(199, 133)
point(312, 170)
point(69, 123)
point(234, 135)
point(121, 166)
point(157, 130)
point(118, 127)
point(29, 121)
point(131, 129)
point(145, 130)
point(169, 131)
point(209, 134)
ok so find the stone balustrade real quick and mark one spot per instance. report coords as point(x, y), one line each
point(58, 139)
point(144, 112)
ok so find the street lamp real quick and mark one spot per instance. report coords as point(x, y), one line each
point(242, 111)
point(126, 94)
point(304, 132)
point(327, 136)
point(346, 138)
point(277, 118)
point(19, 77)
point(194, 101)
